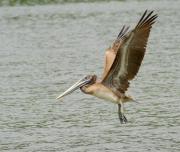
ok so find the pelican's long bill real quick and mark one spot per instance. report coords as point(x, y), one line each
point(74, 87)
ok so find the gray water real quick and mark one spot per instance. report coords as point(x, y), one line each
point(44, 49)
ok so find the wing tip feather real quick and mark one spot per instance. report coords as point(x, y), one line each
point(146, 19)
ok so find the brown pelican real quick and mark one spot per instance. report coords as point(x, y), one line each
point(129, 48)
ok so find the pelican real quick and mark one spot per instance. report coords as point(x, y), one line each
point(130, 46)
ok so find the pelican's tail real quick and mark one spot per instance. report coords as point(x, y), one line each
point(129, 99)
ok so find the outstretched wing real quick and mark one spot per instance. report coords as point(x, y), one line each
point(122, 33)
point(109, 61)
point(130, 54)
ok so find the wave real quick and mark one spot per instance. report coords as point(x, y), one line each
point(43, 2)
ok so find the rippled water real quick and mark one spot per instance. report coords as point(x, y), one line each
point(44, 49)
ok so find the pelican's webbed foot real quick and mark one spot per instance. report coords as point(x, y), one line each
point(122, 118)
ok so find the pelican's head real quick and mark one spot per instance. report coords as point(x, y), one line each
point(88, 80)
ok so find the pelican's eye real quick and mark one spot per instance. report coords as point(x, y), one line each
point(88, 77)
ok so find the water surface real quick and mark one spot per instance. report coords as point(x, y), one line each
point(44, 49)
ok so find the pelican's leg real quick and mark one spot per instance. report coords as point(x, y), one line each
point(122, 118)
